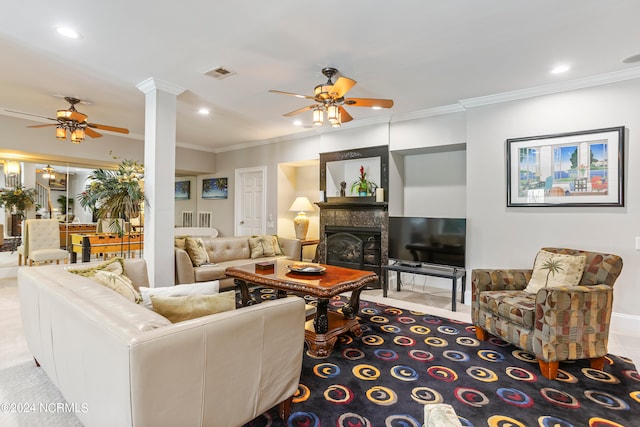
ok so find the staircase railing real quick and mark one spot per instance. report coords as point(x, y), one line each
point(43, 196)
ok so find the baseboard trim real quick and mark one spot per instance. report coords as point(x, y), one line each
point(625, 324)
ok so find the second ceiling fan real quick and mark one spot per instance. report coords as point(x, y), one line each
point(330, 98)
point(75, 122)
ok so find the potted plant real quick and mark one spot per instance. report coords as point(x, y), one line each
point(66, 204)
point(363, 187)
point(115, 194)
point(17, 199)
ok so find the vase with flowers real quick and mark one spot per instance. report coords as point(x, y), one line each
point(363, 187)
point(17, 199)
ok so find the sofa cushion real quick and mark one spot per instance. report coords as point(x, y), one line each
point(552, 270)
point(516, 306)
point(114, 265)
point(228, 249)
point(204, 288)
point(119, 283)
point(196, 250)
point(178, 309)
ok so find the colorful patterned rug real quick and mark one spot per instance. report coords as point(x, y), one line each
point(406, 359)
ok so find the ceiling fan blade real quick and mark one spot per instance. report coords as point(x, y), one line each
point(297, 95)
point(344, 116)
point(33, 115)
point(42, 126)
point(369, 102)
point(92, 133)
point(300, 110)
point(341, 86)
point(109, 128)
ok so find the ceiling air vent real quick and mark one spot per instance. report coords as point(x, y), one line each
point(220, 73)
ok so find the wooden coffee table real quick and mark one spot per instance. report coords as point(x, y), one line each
point(322, 332)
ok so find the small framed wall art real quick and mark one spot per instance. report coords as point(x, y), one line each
point(183, 190)
point(214, 188)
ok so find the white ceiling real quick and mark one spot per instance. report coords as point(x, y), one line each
point(423, 54)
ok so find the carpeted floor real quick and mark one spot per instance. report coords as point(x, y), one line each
point(404, 360)
point(407, 359)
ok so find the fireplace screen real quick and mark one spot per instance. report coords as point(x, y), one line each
point(353, 247)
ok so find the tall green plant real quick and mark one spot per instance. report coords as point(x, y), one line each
point(115, 194)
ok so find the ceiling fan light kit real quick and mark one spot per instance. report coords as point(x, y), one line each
point(75, 122)
point(329, 97)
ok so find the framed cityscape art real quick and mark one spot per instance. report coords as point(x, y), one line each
point(214, 188)
point(584, 168)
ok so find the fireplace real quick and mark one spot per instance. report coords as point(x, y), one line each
point(354, 235)
point(353, 247)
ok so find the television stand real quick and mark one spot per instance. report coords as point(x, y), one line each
point(413, 264)
point(447, 272)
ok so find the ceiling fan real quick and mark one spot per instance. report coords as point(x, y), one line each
point(329, 98)
point(75, 122)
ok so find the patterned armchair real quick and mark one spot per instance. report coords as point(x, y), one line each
point(556, 323)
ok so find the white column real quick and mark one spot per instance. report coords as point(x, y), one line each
point(159, 178)
point(29, 181)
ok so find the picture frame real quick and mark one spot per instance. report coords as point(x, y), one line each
point(215, 188)
point(183, 190)
point(584, 168)
point(58, 184)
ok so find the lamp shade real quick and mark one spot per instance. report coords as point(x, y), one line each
point(301, 204)
point(301, 222)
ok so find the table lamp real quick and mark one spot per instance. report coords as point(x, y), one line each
point(301, 222)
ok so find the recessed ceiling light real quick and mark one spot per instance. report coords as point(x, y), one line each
point(375, 107)
point(68, 32)
point(559, 69)
point(297, 123)
point(204, 111)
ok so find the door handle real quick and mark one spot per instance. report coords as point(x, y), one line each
point(241, 222)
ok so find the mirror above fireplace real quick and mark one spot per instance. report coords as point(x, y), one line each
point(345, 167)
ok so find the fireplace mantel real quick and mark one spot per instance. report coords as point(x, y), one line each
point(352, 203)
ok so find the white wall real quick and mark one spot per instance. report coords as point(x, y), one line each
point(435, 184)
point(498, 236)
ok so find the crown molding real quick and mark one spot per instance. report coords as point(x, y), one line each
point(429, 112)
point(616, 76)
point(150, 84)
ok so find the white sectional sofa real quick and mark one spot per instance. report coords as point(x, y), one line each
point(129, 366)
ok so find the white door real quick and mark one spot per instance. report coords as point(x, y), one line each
point(250, 206)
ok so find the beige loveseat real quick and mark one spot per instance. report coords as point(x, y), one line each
point(226, 252)
point(121, 364)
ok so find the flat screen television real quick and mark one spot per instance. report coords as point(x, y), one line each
point(417, 240)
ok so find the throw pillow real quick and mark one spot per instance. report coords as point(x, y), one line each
point(114, 265)
point(119, 283)
point(178, 309)
point(552, 270)
point(261, 246)
point(202, 288)
point(276, 246)
point(197, 251)
point(180, 242)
